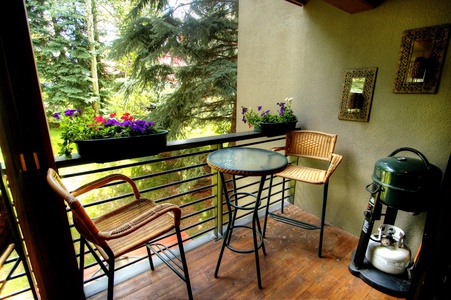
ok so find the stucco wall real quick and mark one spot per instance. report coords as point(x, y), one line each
point(289, 51)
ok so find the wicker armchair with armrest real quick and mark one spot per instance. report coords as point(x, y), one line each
point(124, 229)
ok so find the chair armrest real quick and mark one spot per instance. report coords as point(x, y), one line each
point(103, 181)
point(277, 148)
point(334, 162)
point(142, 219)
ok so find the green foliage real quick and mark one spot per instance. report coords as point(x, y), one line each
point(175, 65)
point(76, 125)
point(254, 118)
point(59, 34)
point(187, 54)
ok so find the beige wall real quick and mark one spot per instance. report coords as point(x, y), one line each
point(289, 51)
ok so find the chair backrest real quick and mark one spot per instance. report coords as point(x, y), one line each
point(81, 219)
point(311, 144)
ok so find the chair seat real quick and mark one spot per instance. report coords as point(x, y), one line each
point(143, 234)
point(305, 174)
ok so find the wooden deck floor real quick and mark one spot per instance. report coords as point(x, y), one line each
point(290, 270)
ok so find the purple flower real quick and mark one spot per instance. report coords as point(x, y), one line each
point(282, 108)
point(243, 110)
point(244, 119)
point(281, 111)
point(265, 113)
point(112, 122)
point(57, 116)
point(259, 108)
point(71, 112)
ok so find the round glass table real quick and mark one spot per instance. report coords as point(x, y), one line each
point(245, 162)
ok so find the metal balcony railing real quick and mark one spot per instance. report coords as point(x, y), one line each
point(179, 175)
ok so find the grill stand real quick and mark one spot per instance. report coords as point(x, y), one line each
point(393, 285)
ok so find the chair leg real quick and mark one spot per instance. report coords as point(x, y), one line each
point(283, 195)
point(267, 205)
point(110, 276)
point(82, 260)
point(323, 217)
point(185, 265)
point(149, 255)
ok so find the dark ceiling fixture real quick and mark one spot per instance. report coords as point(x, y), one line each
point(354, 6)
point(298, 2)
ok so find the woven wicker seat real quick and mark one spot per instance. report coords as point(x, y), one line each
point(315, 146)
point(124, 229)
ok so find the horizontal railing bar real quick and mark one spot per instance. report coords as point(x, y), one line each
point(169, 171)
point(123, 196)
point(196, 202)
point(200, 233)
point(162, 186)
point(195, 224)
point(197, 212)
point(203, 199)
point(129, 165)
point(76, 159)
point(15, 293)
point(13, 276)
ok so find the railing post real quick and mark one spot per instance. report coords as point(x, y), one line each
point(217, 190)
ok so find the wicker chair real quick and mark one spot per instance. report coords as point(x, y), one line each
point(316, 146)
point(122, 230)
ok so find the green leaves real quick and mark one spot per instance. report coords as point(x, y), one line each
point(283, 114)
point(186, 54)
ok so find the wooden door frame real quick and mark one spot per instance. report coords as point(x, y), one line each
point(27, 152)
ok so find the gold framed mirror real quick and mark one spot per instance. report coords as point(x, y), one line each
point(357, 94)
point(421, 60)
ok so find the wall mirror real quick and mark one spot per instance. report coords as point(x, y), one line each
point(357, 94)
point(421, 60)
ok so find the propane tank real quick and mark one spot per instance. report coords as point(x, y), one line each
point(386, 250)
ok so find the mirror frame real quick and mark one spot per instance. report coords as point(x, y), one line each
point(439, 36)
point(363, 114)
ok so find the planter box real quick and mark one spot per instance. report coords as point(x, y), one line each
point(106, 150)
point(273, 129)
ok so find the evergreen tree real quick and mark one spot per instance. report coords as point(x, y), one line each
point(187, 53)
point(64, 54)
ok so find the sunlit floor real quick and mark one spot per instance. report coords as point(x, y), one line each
point(290, 270)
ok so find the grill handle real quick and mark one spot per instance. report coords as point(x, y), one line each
point(423, 158)
point(373, 188)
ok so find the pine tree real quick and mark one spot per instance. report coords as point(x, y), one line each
point(64, 54)
point(190, 50)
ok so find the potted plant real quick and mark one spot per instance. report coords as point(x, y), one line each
point(102, 139)
point(271, 123)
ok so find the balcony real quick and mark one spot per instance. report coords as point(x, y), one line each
point(180, 175)
point(204, 217)
point(290, 270)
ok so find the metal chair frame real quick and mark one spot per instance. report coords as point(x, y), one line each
point(317, 146)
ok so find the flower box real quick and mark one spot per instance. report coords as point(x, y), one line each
point(112, 149)
point(273, 129)
point(271, 124)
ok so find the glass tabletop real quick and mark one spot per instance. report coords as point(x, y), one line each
point(247, 161)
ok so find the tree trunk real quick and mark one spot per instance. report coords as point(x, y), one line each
point(91, 10)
